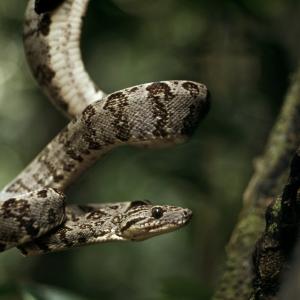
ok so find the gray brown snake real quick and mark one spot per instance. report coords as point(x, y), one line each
point(33, 214)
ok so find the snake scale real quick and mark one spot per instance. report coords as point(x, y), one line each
point(33, 213)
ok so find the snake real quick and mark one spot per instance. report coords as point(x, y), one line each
point(34, 215)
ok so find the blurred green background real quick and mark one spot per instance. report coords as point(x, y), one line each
point(244, 50)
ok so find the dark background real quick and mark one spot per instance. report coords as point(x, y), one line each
point(245, 52)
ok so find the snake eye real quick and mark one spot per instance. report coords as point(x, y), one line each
point(157, 212)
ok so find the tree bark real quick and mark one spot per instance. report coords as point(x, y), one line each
point(270, 175)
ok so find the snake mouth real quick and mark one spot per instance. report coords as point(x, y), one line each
point(168, 227)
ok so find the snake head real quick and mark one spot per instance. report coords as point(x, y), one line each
point(161, 113)
point(143, 220)
point(151, 114)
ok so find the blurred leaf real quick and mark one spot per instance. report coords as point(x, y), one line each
point(9, 291)
point(184, 289)
point(43, 292)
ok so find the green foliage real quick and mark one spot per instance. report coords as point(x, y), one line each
point(184, 289)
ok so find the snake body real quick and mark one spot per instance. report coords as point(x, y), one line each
point(32, 216)
point(52, 46)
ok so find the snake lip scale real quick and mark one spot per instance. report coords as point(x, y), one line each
point(33, 214)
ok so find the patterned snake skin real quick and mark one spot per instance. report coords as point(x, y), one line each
point(33, 215)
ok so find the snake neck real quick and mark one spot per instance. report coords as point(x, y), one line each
point(52, 46)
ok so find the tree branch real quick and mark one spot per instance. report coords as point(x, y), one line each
point(268, 179)
point(274, 249)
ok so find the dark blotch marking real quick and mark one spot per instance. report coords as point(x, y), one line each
point(62, 233)
point(50, 167)
point(192, 88)
point(58, 178)
point(134, 89)
point(94, 146)
point(89, 112)
point(82, 240)
point(131, 222)
point(73, 155)
point(19, 212)
point(42, 6)
point(90, 136)
point(44, 74)
point(59, 192)
point(139, 203)
point(86, 152)
point(160, 112)
point(12, 207)
point(42, 193)
point(113, 206)
point(68, 167)
point(157, 88)
point(116, 104)
point(44, 24)
point(95, 215)
point(18, 186)
point(86, 226)
point(30, 229)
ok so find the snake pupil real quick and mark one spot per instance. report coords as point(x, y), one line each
point(157, 212)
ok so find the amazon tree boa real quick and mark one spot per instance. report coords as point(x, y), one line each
point(33, 214)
